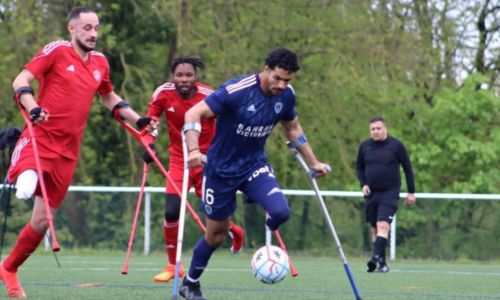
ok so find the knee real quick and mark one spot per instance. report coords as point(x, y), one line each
point(277, 218)
point(382, 227)
point(172, 207)
point(215, 239)
point(40, 225)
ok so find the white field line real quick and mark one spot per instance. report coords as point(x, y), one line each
point(247, 270)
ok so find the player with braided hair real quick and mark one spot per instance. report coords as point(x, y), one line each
point(173, 99)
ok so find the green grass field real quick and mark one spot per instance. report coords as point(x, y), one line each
point(92, 275)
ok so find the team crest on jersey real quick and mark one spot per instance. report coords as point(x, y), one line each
point(278, 107)
point(97, 75)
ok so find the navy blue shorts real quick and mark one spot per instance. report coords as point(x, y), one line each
point(219, 194)
point(381, 206)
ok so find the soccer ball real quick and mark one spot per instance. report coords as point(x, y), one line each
point(270, 264)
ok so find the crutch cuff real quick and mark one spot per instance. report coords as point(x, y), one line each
point(22, 90)
point(302, 139)
point(192, 126)
point(118, 106)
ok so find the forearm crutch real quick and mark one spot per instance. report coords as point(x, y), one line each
point(182, 216)
point(143, 139)
point(282, 245)
point(136, 217)
point(311, 176)
point(48, 214)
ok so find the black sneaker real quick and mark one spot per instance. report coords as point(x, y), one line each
point(372, 265)
point(191, 290)
point(383, 268)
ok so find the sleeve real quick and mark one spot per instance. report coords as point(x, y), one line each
point(290, 113)
point(218, 100)
point(404, 159)
point(156, 105)
point(360, 166)
point(43, 61)
point(106, 86)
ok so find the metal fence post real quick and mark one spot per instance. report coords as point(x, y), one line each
point(392, 233)
point(147, 223)
point(46, 241)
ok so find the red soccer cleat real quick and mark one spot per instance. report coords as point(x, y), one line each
point(238, 236)
point(14, 288)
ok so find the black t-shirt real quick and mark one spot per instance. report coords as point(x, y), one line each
point(378, 163)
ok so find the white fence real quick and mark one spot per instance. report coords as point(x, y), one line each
point(149, 190)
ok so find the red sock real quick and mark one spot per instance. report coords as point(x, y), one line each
point(170, 230)
point(27, 242)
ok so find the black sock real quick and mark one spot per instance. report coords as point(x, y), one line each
point(379, 248)
point(382, 256)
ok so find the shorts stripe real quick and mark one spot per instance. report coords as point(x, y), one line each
point(17, 151)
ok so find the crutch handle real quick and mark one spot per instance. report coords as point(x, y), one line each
point(313, 173)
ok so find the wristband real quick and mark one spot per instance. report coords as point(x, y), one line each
point(194, 149)
point(302, 139)
point(192, 126)
point(22, 90)
point(119, 105)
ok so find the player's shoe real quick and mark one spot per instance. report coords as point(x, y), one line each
point(168, 274)
point(372, 265)
point(14, 288)
point(238, 235)
point(191, 290)
point(383, 268)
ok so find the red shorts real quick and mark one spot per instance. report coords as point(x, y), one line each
point(57, 171)
point(176, 172)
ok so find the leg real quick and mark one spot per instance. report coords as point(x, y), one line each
point(380, 240)
point(27, 242)
point(371, 208)
point(235, 232)
point(219, 203)
point(373, 230)
point(214, 237)
point(386, 210)
point(380, 245)
point(58, 174)
point(263, 188)
point(170, 231)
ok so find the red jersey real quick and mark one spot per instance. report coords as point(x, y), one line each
point(67, 86)
point(167, 99)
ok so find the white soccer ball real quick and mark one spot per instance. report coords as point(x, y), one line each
point(270, 264)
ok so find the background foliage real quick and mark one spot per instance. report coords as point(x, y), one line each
point(430, 67)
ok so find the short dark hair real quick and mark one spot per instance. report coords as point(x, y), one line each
point(377, 119)
point(75, 12)
point(283, 58)
point(192, 60)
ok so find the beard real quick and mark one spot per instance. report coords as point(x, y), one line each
point(83, 46)
point(185, 92)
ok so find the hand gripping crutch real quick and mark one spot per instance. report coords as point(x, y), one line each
point(145, 141)
point(182, 216)
point(311, 176)
point(282, 245)
point(136, 217)
point(48, 214)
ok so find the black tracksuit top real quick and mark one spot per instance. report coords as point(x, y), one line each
point(377, 165)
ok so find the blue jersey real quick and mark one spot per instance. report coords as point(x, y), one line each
point(245, 119)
